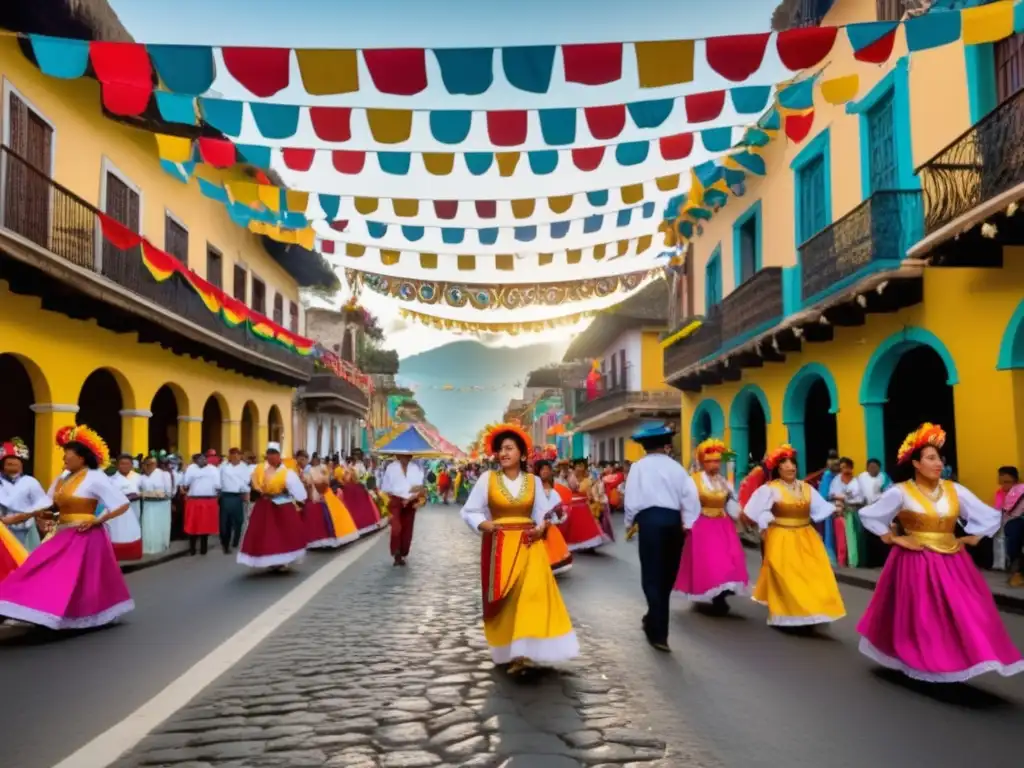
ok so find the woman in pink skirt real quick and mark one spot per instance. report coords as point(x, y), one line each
point(72, 580)
point(932, 616)
point(276, 535)
point(713, 565)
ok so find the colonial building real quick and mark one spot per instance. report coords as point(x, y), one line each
point(87, 333)
point(872, 278)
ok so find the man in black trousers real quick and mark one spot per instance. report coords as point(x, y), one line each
point(657, 492)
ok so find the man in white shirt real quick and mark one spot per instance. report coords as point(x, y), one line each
point(403, 483)
point(202, 511)
point(234, 496)
point(21, 495)
point(658, 493)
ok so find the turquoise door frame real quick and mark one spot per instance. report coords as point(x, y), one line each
point(794, 406)
point(739, 424)
point(712, 409)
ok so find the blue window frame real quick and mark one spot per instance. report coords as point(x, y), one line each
point(747, 244)
point(883, 162)
point(813, 187)
point(713, 280)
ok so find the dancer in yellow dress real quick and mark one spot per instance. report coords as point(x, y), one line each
point(796, 581)
point(525, 619)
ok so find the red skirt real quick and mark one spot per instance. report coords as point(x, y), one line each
point(276, 535)
point(128, 551)
point(317, 523)
point(364, 512)
point(580, 529)
point(202, 517)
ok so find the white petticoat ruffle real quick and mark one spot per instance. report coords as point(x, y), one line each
point(738, 588)
point(542, 650)
point(890, 662)
point(55, 622)
point(592, 543)
point(271, 561)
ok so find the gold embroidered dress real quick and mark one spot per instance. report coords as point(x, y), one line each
point(524, 615)
point(796, 581)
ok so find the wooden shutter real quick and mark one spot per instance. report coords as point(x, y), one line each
point(293, 317)
point(27, 206)
point(1009, 61)
point(278, 309)
point(239, 284)
point(176, 240)
point(214, 267)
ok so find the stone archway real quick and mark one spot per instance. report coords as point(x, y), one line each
point(809, 410)
point(104, 395)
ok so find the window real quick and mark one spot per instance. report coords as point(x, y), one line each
point(214, 266)
point(600, 450)
point(238, 290)
point(811, 186)
point(259, 295)
point(293, 317)
point(123, 204)
point(175, 239)
point(622, 368)
point(713, 281)
point(615, 371)
point(746, 244)
point(27, 196)
point(278, 309)
point(1009, 61)
point(883, 160)
point(622, 449)
point(892, 10)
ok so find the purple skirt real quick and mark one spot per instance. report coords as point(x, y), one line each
point(713, 561)
point(72, 581)
point(607, 528)
point(933, 618)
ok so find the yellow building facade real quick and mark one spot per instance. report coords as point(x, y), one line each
point(154, 375)
point(851, 292)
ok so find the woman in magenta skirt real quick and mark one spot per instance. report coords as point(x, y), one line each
point(72, 580)
point(713, 565)
point(276, 534)
point(932, 616)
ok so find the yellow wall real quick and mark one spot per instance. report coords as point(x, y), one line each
point(60, 353)
point(968, 310)
point(83, 137)
point(652, 362)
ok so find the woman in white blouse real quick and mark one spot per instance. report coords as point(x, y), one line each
point(156, 492)
point(932, 616)
point(126, 530)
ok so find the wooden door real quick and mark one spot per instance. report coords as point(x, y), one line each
point(27, 196)
point(122, 205)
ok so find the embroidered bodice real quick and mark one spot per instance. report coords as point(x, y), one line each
point(713, 496)
point(925, 522)
point(790, 510)
point(503, 504)
point(272, 483)
point(73, 509)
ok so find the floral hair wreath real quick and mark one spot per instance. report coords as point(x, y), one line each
point(926, 434)
point(780, 454)
point(497, 430)
point(88, 438)
point(14, 448)
point(711, 449)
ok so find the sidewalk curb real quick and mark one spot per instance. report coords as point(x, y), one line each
point(1005, 603)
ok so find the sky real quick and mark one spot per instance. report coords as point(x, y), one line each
point(453, 24)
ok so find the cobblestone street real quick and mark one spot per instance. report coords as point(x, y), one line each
point(388, 667)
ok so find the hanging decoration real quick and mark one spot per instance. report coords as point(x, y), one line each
point(343, 369)
point(501, 262)
point(163, 266)
point(126, 70)
point(480, 328)
point(494, 296)
point(416, 386)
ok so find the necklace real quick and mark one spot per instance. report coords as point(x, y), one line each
point(933, 495)
point(795, 487)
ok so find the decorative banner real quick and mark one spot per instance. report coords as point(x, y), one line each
point(503, 262)
point(126, 70)
point(491, 296)
point(416, 386)
point(556, 230)
point(479, 328)
point(223, 153)
point(162, 266)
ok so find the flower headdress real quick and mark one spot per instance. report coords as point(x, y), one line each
point(14, 448)
point(926, 434)
point(88, 438)
point(711, 449)
point(774, 458)
point(497, 430)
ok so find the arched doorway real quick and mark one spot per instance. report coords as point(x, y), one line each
point(708, 421)
point(100, 404)
point(167, 405)
point(809, 411)
point(909, 380)
point(214, 413)
point(749, 416)
point(275, 425)
point(250, 428)
point(1011, 360)
point(16, 416)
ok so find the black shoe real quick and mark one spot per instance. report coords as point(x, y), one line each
point(643, 621)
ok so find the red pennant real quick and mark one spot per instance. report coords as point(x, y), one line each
point(703, 107)
point(262, 178)
point(736, 57)
point(126, 74)
point(805, 47)
point(117, 233)
point(161, 261)
point(592, 64)
point(676, 147)
point(346, 161)
point(587, 158)
point(327, 246)
point(220, 153)
point(332, 123)
point(507, 128)
point(486, 209)
point(606, 122)
point(298, 159)
point(446, 209)
point(880, 50)
point(263, 71)
point(798, 126)
point(339, 225)
point(398, 71)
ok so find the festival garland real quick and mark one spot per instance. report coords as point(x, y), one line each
point(478, 328)
point(162, 266)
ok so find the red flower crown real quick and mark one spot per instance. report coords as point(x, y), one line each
point(774, 458)
point(496, 430)
point(926, 434)
point(87, 437)
point(711, 449)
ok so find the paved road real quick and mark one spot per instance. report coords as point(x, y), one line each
point(386, 668)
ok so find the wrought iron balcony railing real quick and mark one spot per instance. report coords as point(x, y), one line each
point(703, 342)
point(754, 306)
point(874, 235)
point(646, 400)
point(985, 161)
point(54, 218)
point(329, 385)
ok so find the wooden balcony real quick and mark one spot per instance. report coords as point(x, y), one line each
point(618, 403)
point(755, 306)
point(703, 342)
point(328, 391)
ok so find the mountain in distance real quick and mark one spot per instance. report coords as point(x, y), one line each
point(460, 415)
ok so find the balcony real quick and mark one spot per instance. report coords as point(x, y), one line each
point(872, 237)
point(59, 245)
point(328, 391)
point(981, 166)
point(615, 402)
point(702, 343)
point(755, 306)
